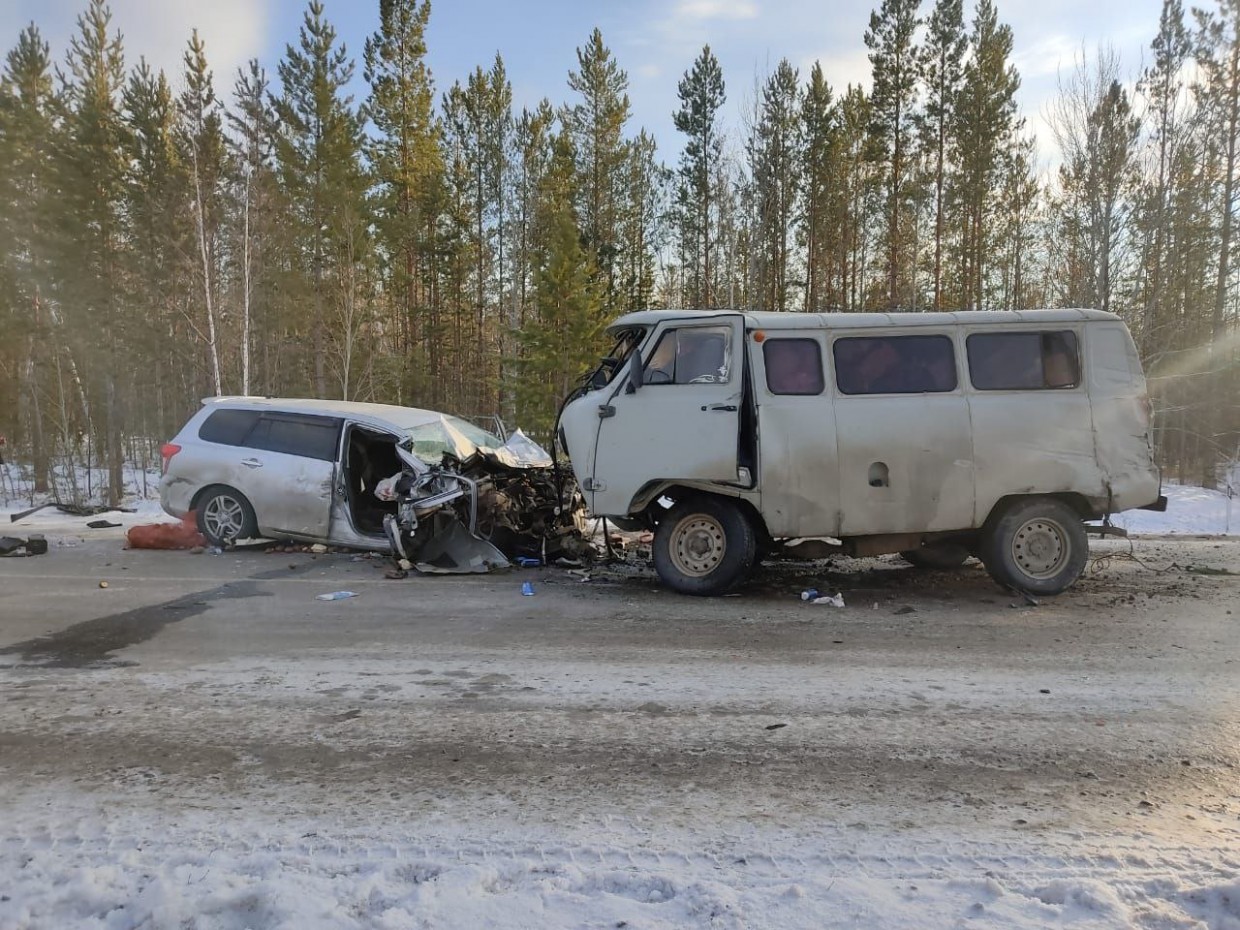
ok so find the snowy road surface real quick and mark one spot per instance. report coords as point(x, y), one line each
point(204, 744)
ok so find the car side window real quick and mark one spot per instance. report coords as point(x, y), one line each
point(1023, 361)
point(297, 434)
point(895, 364)
point(228, 427)
point(793, 366)
point(693, 355)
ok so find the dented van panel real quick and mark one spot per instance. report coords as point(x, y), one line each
point(907, 433)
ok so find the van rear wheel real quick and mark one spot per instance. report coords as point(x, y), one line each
point(704, 545)
point(1036, 545)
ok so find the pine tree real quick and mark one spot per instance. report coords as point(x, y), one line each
point(893, 101)
point(201, 140)
point(27, 128)
point(1218, 57)
point(255, 224)
point(159, 270)
point(408, 168)
point(701, 94)
point(985, 127)
point(562, 338)
point(1166, 98)
point(819, 143)
point(89, 228)
point(596, 123)
point(1097, 131)
point(776, 173)
point(942, 71)
point(318, 151)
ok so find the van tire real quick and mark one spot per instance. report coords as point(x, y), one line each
point(704, 545)
point(224, 515)
point(1035, 545)
point(943, 555)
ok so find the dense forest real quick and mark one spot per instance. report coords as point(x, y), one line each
point(169, 236)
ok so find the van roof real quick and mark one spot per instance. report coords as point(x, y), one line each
point(793, 320)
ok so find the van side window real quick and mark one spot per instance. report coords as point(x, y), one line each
point(694, 355)
point(228, 427)
point(1023, 361)
point(297, 434)
point(793, 366)
point(895, 364)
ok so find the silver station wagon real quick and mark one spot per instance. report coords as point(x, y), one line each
point(370, 476)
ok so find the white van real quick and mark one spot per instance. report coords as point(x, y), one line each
point(935, 435)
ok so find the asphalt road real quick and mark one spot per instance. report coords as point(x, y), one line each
point(931, 701)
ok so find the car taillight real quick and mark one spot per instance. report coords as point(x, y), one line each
point(168, 450)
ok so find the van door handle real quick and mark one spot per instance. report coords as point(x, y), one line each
point(722, 408)
point(251, 463)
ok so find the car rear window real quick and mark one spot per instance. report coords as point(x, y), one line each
point(228, 427)
point(1023, 361)
point(895, 364)
point(297, 434)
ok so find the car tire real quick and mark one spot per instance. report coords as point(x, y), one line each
point(704, 546)
point(224, 516)
point(1035, 545)
point(942, 555)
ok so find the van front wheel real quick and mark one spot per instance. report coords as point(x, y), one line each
point(704, 545)
point(1036, 545)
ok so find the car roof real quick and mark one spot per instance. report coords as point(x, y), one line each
point(387, 415)
point(793, 320)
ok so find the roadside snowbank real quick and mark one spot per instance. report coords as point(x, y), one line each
point(1190, 511)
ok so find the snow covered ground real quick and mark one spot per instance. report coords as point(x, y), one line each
point(447, 754)
point(1190, 510)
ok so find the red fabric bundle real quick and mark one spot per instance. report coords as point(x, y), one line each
point(183, 535)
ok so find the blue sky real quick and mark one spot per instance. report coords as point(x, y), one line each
point(655, 41)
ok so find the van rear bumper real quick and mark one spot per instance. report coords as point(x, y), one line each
point(1159, 505)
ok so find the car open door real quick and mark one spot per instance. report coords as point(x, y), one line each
point(675, 416)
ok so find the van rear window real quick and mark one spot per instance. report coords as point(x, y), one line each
point(1023, 361)
point(793, 366)
point(228, 427)
point(895, 364)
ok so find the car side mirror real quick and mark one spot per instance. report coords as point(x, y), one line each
point(637, 372)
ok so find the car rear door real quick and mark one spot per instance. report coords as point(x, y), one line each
point(287, 470)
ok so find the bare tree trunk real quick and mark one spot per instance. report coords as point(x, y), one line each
point(245, 288)
point(212, 342)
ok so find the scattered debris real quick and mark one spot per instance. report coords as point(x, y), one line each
point(1044, 691)
point(527, 589)
point(14, 547)
point(777, 726)
point(906, 609)
point(103, 584)
point(836, 600)
point(318, 548)
point(102, 525)
point(335, 596)
point(809, 594)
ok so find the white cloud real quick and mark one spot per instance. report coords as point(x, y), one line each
point(233, 30)
point(715, 9)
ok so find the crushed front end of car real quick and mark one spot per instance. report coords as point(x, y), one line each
point(480, 508)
